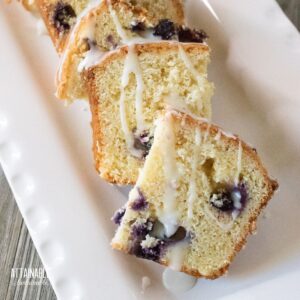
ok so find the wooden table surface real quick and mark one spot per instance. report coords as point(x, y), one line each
point(16, 247)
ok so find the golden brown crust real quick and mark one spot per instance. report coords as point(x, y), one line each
point(271, 183)
point(66, 67)
point(179, 6)
point(94, 100)
point(46, 11)
point(60, 39)
point(185, 269)
point(162, 46)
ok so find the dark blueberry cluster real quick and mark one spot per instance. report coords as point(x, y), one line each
point(230, 198)
point(187, 35)
point(139, 233)
point(138, 27)
point(143, 142)
point(118, 216)
point(63, 16)
point(153, 253)
point(222, 200)
point(167, 30)
point(140, 202)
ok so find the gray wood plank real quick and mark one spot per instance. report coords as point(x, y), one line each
point(17, 251)
point(10, 229)
point(292, 10)
point(16, 247)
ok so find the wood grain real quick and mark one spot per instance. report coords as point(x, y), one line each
point(16, 247)
point(17, 251)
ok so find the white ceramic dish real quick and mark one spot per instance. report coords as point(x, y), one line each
point(45, 153)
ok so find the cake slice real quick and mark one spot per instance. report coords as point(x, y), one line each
point(105, 28)
point(128, 89)
point(60, 16)
point(196, 200)
point(99, 31)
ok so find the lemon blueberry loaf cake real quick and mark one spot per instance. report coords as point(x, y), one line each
point(129, 87)
point(60, 16)
point(104, 29)
point(196, 200)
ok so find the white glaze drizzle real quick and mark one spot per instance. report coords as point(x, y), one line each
point(92, 57)
point(90, 6)
point(121, 32)
point(175, 102)
point(89, 33)
point(168, 215)
point(131, 65)
point(176, 255)
point(189, 65)
point(128, 69)
point(239, 163)
point(192, 192)
point(136, 69)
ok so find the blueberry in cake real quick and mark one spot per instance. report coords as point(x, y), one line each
point(60, 16)
point(168, 30)
point(202, 192)
point(128, 89)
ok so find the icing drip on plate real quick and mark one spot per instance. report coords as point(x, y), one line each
point(177, 282)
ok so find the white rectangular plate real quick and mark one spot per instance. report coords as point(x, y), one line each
point(45, 150)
